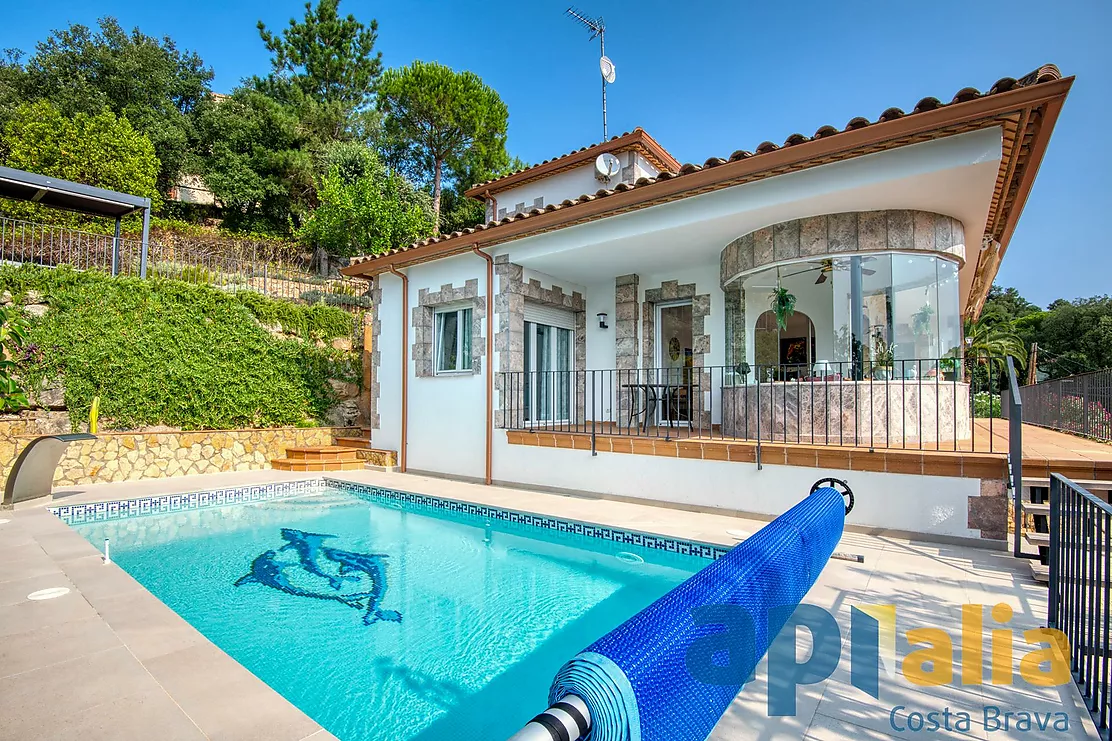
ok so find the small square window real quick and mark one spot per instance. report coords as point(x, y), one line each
point(452, 339)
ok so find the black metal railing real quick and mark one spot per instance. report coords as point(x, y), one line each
point(923, 404)
point(1079, 601)
point(1080, 404)
point(272, 269)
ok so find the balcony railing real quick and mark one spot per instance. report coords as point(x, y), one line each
point(924, 404)
point(1080, 577)
point(1080, 404)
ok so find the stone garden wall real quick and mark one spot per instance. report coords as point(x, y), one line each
point(127, 456)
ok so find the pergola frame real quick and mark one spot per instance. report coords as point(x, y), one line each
point(86, 199)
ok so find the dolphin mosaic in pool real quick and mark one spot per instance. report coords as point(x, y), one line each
point(365, 573)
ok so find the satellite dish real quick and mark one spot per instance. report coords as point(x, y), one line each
point(607, 68)
point(607, 166)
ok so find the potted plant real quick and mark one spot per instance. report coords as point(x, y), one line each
point(949, 365)
point(743, 370)
point(782, 305)
point(883, 356)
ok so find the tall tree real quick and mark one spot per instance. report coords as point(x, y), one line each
point(444, 121)
point(96, 150)
point(149, 81)
point(11, 84)
point(257, 162)
point(1008, 303)
point(1076, 336)
point(328, 60)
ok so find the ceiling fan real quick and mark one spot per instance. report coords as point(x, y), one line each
point(827, 267)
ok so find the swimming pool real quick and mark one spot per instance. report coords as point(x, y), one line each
point(388, 615)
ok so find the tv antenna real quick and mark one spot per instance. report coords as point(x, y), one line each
point(597, 27)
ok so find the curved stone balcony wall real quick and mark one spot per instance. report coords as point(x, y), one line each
point(850, 413)
point(820, 237)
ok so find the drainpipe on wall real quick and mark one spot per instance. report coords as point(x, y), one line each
point(405, 368)
point(489, 358)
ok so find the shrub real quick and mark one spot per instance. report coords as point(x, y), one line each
point(986, 405)
point(175, 353)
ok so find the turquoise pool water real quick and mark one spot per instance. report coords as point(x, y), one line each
point(383, 620)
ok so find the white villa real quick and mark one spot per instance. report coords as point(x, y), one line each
point(611, 329)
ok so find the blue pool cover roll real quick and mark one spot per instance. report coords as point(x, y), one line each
point(635, 679)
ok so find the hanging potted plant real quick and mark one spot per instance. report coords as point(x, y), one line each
point(782, 305)
point(921, 320)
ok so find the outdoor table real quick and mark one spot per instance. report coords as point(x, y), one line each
point(651, 396)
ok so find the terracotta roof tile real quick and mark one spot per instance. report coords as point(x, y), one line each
point(1047, 73)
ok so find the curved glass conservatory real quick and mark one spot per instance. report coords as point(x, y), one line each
point(847, 324)
point(890, 314)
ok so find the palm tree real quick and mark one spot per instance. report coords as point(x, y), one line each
point(992, 338)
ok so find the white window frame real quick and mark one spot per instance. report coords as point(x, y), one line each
point(461, 327)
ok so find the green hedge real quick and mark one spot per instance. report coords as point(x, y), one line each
point(180, 354)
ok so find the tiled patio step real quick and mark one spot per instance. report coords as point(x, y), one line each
point(1040, 571)
point(361, 443)
point(303, 464)
point(323, 453)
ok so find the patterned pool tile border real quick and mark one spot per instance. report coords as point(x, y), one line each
point(626, 537)
point(77, 514)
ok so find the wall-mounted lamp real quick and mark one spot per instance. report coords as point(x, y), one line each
point(602, 320)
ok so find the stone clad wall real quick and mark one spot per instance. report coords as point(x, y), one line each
point(128, 456)
point(818, 237)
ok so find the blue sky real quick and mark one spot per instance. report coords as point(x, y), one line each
point(708, 78)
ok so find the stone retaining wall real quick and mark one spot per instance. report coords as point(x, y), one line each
point(127, 456)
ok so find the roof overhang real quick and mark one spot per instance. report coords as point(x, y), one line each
point(63, 194)
point(1025, 111)
point(637, 140)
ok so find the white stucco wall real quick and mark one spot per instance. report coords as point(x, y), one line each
point(388, 435)
point(572, 183)
point(447, 414)
point(931, 505)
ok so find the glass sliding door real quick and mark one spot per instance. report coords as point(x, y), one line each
point(548, 373)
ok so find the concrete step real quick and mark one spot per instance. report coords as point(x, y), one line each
point(305, 465)
point(323, 453)
point(1040, 572)
point(1030, 508)
point(1037, 539)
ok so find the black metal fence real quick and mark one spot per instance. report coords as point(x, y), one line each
point(1080, 404)
point(1080, 577)
point(270, 268)
point(924, 404)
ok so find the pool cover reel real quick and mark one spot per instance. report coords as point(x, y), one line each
point(635, 680)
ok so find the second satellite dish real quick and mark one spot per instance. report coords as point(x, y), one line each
point(607, 165)
point(607, 68)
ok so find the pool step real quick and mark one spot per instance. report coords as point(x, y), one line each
point(319, 458)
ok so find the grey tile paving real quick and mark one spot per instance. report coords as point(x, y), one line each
point(144, 716)
point(30, 702)
point(27, 615)
point(202, 679)
point(53, 644)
